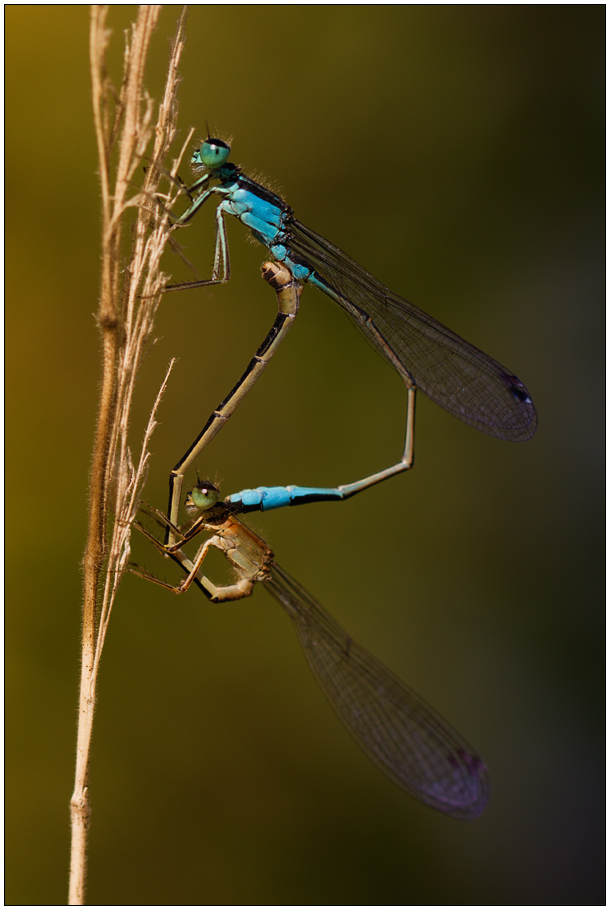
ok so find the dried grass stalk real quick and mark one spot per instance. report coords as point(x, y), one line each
point(129, 299)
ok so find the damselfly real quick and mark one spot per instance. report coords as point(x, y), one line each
point(453, 373)
point(405, 738)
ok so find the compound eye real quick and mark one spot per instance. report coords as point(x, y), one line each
point(214, 153)
point(204, 495)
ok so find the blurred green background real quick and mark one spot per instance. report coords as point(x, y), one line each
point(457, 153)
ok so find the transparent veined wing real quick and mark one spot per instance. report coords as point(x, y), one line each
point(405, 738)
point(452, 372)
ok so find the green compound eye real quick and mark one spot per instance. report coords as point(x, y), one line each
point(214, 153)
point(204, 496)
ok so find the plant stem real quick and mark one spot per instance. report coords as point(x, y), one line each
point(125, 318)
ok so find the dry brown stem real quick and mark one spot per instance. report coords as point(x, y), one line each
point(124, 128)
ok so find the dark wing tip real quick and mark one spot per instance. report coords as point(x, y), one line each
point(526, 410)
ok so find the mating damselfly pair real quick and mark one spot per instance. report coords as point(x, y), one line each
point(403, 736)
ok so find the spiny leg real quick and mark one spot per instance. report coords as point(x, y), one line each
point(216, 593)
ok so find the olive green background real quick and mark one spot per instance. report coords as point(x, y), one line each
point(457, 153)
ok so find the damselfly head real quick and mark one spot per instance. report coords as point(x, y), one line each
point(203, 496)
